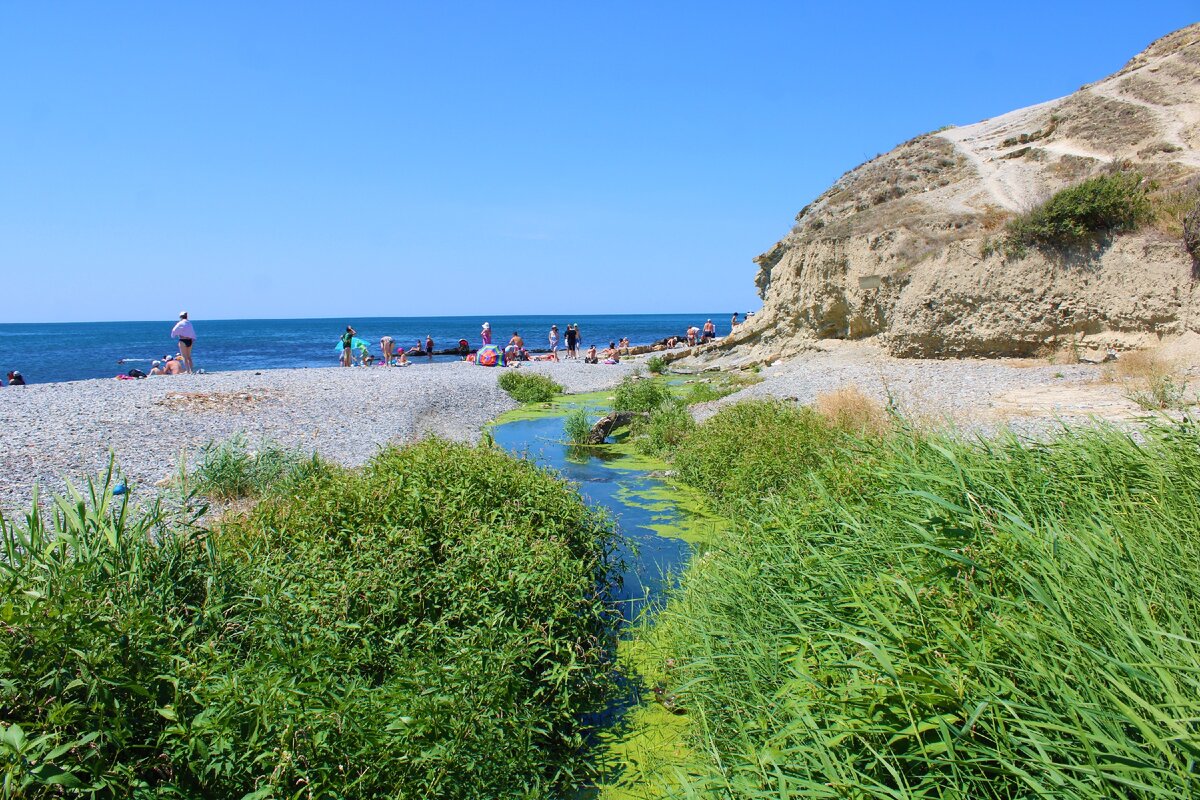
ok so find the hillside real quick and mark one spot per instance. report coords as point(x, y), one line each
point(912, 247)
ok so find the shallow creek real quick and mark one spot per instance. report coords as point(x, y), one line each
point(662, 526)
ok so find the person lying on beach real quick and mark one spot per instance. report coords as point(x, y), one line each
point(546, 357)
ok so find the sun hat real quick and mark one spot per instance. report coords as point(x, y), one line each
point(156, 363)
point(486, 325)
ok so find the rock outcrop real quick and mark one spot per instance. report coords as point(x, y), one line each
point(900, 247)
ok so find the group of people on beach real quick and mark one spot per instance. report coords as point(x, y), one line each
point(356, 352)
point(15, 378)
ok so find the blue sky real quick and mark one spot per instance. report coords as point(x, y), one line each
point(328, 159)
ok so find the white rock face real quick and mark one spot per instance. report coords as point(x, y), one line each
point(898, 248)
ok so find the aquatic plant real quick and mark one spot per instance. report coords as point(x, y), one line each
point(529, 387)
point(435, 624)
point(577, 426)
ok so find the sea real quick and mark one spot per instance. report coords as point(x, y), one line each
point(72, 351)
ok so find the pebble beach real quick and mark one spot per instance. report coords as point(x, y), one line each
point(58, 432)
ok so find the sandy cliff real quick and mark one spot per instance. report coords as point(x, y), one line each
point(898, 248)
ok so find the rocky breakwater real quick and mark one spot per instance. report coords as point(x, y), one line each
point(917, 247)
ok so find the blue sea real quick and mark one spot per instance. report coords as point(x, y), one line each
point(71, 351)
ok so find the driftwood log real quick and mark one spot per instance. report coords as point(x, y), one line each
point(610, 422)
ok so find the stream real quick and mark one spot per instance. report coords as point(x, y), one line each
point(661, 525)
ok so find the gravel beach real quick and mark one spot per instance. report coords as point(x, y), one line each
point(52, 432)
point(65, 431)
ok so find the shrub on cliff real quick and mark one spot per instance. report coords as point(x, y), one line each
point(1105, 204)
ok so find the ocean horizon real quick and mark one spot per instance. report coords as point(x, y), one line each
point(53, 352)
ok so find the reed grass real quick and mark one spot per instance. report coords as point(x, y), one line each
point(919, 616)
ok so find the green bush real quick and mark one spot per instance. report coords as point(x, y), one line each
point(752, 449)
point(667, 427)
point(931, 617)
point(1104, 204)
point(230, 469)
point(640, 394)
point(433, 625)
point(656, 365)
point(529, 387)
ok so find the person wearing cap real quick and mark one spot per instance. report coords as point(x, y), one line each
point(156, 368)
point(15, 378)
point(186, 334)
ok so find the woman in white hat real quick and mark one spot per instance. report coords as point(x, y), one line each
point(186, 334)
point(486, 333)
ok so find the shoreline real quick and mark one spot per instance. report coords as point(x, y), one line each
point(51, 433)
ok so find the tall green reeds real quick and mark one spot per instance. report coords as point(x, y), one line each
point(922, 616)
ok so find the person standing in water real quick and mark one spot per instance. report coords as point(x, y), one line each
point(186, 334)
point(429, 346)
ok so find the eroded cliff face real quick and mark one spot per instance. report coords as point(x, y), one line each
point(899, 249)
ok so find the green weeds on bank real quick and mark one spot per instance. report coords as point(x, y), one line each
point(231, 469)
point(909, 615)
point(435, 624)
point(529, 387)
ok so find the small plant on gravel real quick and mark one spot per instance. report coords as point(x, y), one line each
point(640, 394)
point(1105, 204)
point(1150, 381)
point(850, 410)
point(577, 426)
point(656, 365)
point(230, 470)
point(529, 387)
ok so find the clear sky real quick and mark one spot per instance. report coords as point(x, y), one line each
point(295, 159)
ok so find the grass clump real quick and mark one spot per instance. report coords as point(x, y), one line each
point(667, 427)
point(916, 615)
point(1111, 203)
point(230, 470)
point(529, 387)
point(1150, 381)
point(657, 365)
point(433, 625)
point(640, 394)
point(849, 410)
point(749, 450)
